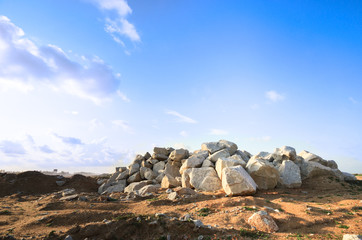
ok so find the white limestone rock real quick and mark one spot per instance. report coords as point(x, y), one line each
point(211, 147)
point(263, 172)
point(229, 146)
point(236, 181)
point(222, 163)
point(289, 174)
point(158, 167)
point(220, 154)
point(203, 179)
point(179, 154)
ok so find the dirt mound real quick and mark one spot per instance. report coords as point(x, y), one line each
point(33, 182)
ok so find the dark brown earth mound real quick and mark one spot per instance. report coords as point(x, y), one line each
point(33, 183)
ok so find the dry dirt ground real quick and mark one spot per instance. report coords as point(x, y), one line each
point(323, 208)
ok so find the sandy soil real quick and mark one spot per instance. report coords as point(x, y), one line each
point(30, 208)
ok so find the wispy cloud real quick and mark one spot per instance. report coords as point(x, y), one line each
point(123, 125)
point(118, 26)
point(95, 123)
point(69, 140)
point(180, 117)
point(354, 101)
point(274, 96)
point(24, 65)
point(218, 132)
point(123, 96)
point(12, 148)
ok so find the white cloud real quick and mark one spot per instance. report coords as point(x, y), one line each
point(95, 123)
point(23, 65)
point(184, 133)
point(180, 117)
point(123, 96)
point(274, 96)
point(118, 26)
point(26, 154)
point(123, 125)
point(354, 101)
point(218, 132)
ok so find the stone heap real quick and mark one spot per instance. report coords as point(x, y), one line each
point(220, 165)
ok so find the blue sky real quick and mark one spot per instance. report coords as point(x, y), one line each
point(86, 84)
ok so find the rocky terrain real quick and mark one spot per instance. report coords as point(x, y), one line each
point(217, 192)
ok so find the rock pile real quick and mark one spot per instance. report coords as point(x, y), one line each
point(219, 165)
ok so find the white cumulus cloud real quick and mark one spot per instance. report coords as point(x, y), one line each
point(274, 96)
point(23, 65)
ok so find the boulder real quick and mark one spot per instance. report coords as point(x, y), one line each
point(172, 196)
point(203, 179)
point(243, 155)
point(312, 169)
point(158, 167)
point(263, 172)
point(123, 175)
point(133, 168)
point(236, 181)
point(239, 159)
point(223, 163)
point(136, 186)
point(263, 155)
point(211, 147)
point(289, 174)
point(144, 191)
point(159, 177)
point(179, 154)
point(286, 153)
point(146, 164)
point(262, 221)
point(311, 157)
point(159, 150)
point(222, 153)
point(229, 146)
point(191, 162)
point(201, 154)
point(152, 161)
point(172, 169)
point(116, 188)
point(184, 191)
point(185, 179)
point(160, 157)
point(147, 173)
point(352, 237)
point(147, 155)
point(349, 177)
point(169, 182)
point(138, 159)
point(207, 163)
point(134, 178)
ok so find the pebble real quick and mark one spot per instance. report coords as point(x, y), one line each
point(68, 238)
point(198, 223)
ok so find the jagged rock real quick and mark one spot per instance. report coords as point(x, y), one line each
point(263, 155)
point(243, 155)
point(262, 221)
point(184, 191)
point(173, 196)
point(263, 172)
point(223, 163)
point(133, 168)
point(159, 177)
point(134, 178)
point(136, 186)
point(169, 182)
point(239, 159)
point(185, 179)
point(201, 154)
point(152, 161)
point(119, 187)
point(147, 173)
point(204, 179)
point(349, 177)
point(147, 156)
point(311, 157)
point(138, 159)
point(179, 154)
point(352, 237)
point(160, 157)
point(158, 167)
point(332, 164)
point(207, 163)
point(211, 147)
point(122, 175)
point(222, 153)
point(191, 162)
point(313, 169)
point(289, 174)
point(144, 191)
point(286, 153)
point(236, 181)
point(159, 150)
point(172, 169)
point(69, 198)
point(229, 146)
point(146, 164)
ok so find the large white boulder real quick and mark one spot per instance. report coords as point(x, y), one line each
point(172, 169)
point(236, 181)
point(263, 172)
point(286, 153)
point(179, 154)
point(203, 179)
point(289, 174)
point(159, 167)
point(136, 186)
point(211, 147)
point(169, 182)
point(192, 162)
point(229, 146)
point(133, 168)
point(312, 169)
point(223, 163)
point(215, 156)
point(262, 221)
